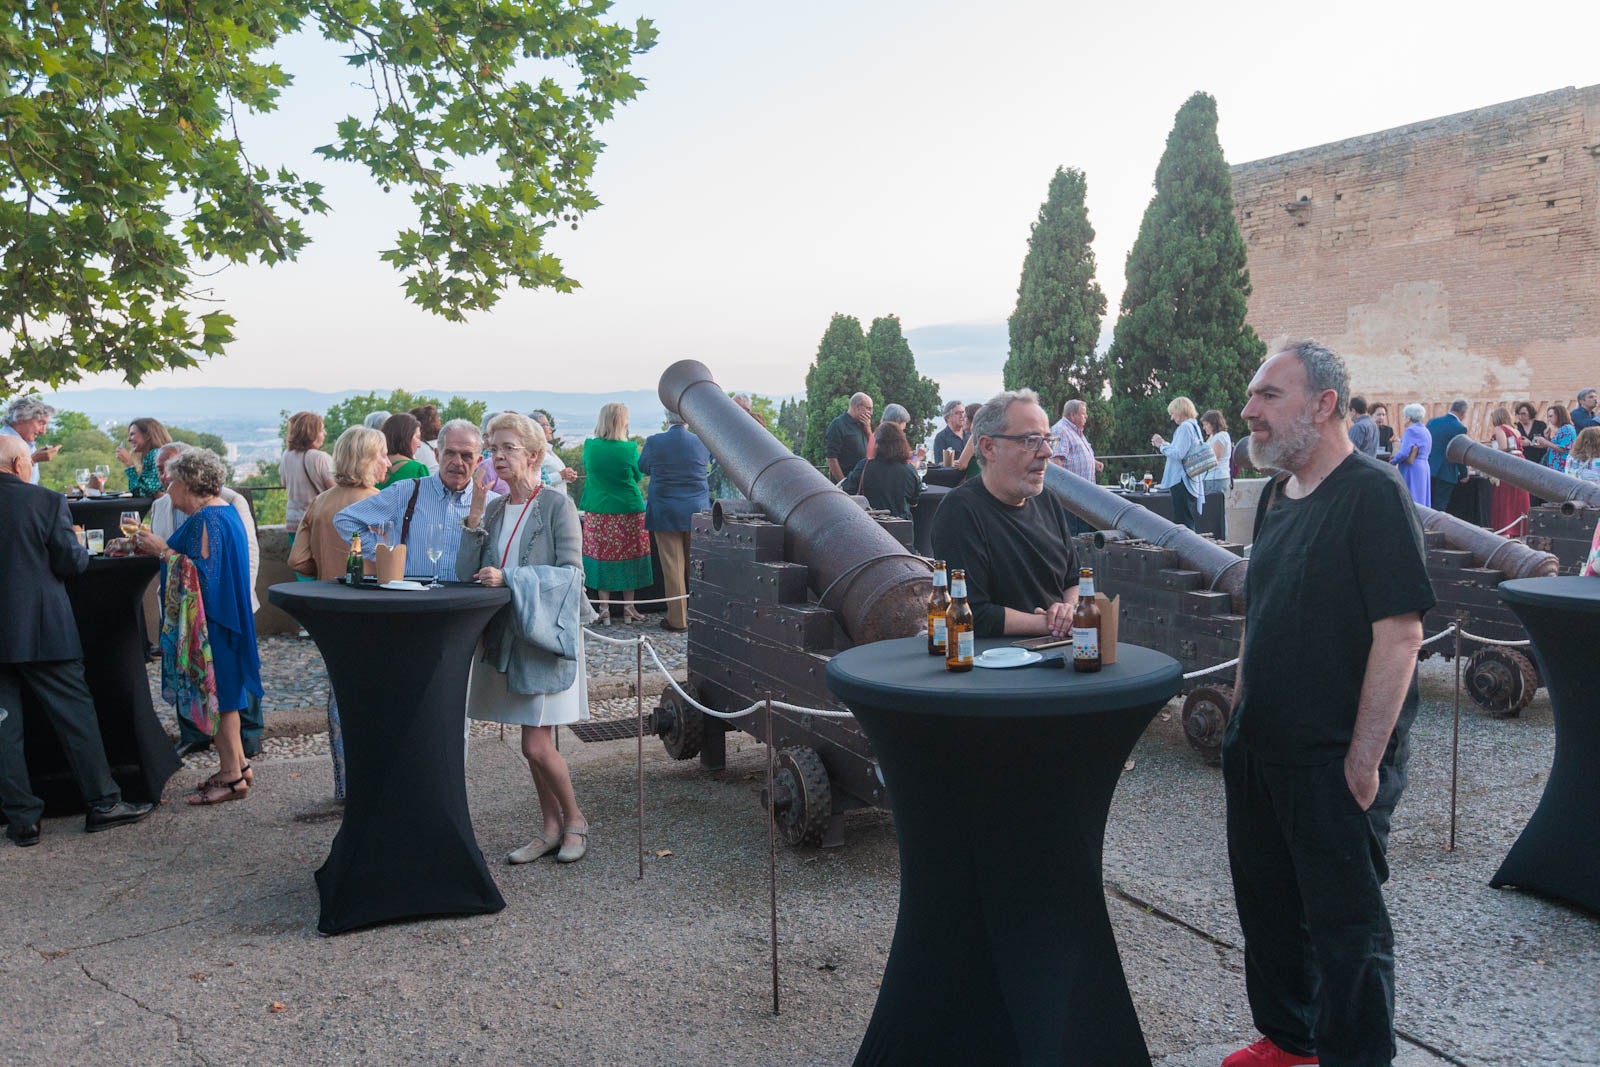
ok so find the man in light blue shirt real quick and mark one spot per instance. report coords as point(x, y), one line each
point(440, 500)
point(27, 418)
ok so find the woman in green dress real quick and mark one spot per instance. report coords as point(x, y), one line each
point(616, 548)
point(403, 433)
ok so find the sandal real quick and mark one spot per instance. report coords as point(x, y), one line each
point(206, 797)
point(577, 852)
point(534, 849)
point(633, 616)
point(216, 781)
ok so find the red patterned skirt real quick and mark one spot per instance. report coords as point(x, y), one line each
point(616, 551)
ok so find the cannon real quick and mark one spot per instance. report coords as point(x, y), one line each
point(782, 579)
point(1564, 524)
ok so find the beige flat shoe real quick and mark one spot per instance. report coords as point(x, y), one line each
point(576, 852)
point(533, 850)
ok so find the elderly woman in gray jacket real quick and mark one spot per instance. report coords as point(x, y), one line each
point(516, 679)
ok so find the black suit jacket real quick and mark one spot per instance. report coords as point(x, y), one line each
point(37, 551)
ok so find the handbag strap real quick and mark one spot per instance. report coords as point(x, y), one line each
point(411, 508)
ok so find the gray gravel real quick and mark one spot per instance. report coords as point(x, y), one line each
point(191, 938)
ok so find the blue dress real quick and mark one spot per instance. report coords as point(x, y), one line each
point(225, 592)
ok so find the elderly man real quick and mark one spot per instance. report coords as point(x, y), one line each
point(1014, 544)
point(676, 462)
point(165, 518)
point(953, 437)
point(1584, 415)
point(416, 505)
point(1314, 758)
point(1446, 475)
point(1071, 449)
point(27, 418)
point(846, 437)
point(41, 651)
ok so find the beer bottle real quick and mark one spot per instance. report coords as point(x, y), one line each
point(938, 604)
point(354, 566)
point(958, 622)
point(1086, 625)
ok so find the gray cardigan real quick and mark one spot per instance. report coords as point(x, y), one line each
point(549, 536)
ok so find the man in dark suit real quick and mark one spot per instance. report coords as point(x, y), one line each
point(41, 651)
point(676, 462)
point(1446, 475)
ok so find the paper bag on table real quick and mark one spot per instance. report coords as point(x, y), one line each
point(1110, 610)
point(390, 563)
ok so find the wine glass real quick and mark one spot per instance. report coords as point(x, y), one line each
point(81, 477)
point(102, 472)
point(436, 532)
point(1149, 480)
point(129, 523)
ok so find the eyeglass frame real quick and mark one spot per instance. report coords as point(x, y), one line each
point(1022, 439)
point(490, 451)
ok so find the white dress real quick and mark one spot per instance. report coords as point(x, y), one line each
point(488, 698)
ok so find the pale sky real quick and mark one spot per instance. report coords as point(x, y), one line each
point(785, 163)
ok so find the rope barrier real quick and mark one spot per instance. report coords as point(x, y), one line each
point(1440, 636)
point(657, 600)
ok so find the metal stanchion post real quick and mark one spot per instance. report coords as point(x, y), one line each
point(1455, 741)
point(638, 696)
point(772, 854)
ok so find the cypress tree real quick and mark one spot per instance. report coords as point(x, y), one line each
point(1056, 324)
point(843, 368)
point(896, 368)
point(1182, 329)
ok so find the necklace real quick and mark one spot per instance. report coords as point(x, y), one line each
point(506, 554)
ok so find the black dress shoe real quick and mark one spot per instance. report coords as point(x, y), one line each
point(671, 629)
point(119, 814)
point(186, 749)
point(23, 836)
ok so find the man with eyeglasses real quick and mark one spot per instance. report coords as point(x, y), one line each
point(1014, 543)
point(417, 504)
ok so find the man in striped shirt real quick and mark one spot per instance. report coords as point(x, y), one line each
point(1072, 450)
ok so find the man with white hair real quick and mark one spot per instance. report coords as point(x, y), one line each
point(164, 519)
point(952, 437)
point(417, 505)
point(27, 418)
point(1314, 758)
point(42, 651)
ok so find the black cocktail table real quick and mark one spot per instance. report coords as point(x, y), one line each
point(1213, 520)
point(106, 607)
point(1001, 781)
point(1556, 852)
point(105, 512)
point(398, 663)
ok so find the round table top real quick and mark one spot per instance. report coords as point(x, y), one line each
point(1571, 592)
point(103, 563)
point(901, 674)
point(333, 596)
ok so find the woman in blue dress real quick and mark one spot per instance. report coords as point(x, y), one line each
point(213, 539)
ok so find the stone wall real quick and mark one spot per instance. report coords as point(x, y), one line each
point(1457, 256)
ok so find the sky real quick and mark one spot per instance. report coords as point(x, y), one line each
point(788, 162)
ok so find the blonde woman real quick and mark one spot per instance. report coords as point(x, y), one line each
point(616, 548)
point(515, 681)
point(360, 460)
point(1188, 494)
point(1508, 505)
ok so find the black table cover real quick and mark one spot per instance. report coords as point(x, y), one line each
point(1001, 782)
point(945, 477)
point(106, 605)
point(398, 663)
point(924, 513)
point(105, 513)
point(1212, 521)
point(1557, 853)
point(1472, 501)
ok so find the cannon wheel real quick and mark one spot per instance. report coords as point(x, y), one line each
point(1206, 711)
point(1501, 680)
point(802, 799)
point(680, 727)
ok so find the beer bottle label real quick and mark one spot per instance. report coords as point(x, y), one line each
point(939, 630)
point(964, 644)
point(958, 588)
point(1086, 588)
point(940, 578)
point(1085, 642)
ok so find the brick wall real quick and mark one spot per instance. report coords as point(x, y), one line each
point(1458, 256)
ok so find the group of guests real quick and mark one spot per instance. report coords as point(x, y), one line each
point(27, 418)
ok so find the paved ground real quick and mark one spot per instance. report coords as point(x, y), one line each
point(191, 938)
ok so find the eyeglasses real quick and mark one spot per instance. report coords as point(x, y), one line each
point(1030, 441)
point(502, 450)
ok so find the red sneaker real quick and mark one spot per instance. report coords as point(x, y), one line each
point(1265, 1054)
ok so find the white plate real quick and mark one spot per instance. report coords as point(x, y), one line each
point(997, 665)
point(402, 585)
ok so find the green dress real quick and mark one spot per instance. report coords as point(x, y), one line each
point(616, 548)
point(411, 468)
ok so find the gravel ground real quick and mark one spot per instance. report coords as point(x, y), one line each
point(191, 938)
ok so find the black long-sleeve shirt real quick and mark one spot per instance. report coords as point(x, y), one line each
point(1015, 557)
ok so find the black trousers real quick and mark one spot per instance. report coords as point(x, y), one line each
point(64, 695)
point(1183, 506)
point(1308, 866)
point(1441, 492)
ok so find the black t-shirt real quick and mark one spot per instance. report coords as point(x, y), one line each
point(1019, 558)
point(846, 441)
point(1323, 569)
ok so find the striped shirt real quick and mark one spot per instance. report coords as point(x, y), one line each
point(1072, 449)
point(436, 506)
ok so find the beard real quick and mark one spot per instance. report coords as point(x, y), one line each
point(1288, 447)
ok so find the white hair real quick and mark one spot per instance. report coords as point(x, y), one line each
point(461, 426)
point(1414, 412)
point(992, 416)
point(26, 408)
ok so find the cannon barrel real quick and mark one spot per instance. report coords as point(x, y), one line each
point(1224, 570)
point(1511, 558)
point(856, 567)
point(1536, 478)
